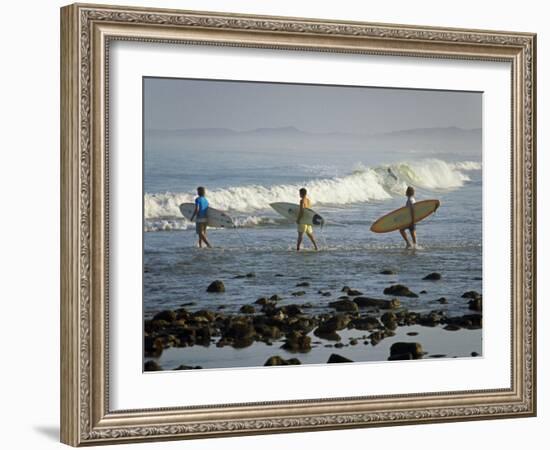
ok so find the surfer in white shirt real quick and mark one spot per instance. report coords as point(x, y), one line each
point(412, 227)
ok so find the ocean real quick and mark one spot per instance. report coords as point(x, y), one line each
point(350, 187)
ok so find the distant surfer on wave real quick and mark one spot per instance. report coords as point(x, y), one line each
point(200, 213)
point(304, 228)
point(412, 227)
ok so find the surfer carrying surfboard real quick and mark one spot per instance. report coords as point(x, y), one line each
point(200, 213)
point(412, 227)
point(302, 227)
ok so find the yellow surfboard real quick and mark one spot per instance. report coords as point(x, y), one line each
point(401, 218)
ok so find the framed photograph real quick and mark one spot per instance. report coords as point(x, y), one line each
point(276, 224)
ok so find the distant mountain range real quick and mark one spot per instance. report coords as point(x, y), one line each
point(288, 132)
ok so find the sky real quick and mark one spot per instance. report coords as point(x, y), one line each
point(238, 105)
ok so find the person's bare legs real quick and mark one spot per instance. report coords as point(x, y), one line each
point(312, 239)
point(202, 235)
point(404, 234)
point(413, 235)
point(299, 242)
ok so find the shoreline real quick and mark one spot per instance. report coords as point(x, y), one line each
point(363, 327)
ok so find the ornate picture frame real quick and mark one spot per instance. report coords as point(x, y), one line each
point(87, 32)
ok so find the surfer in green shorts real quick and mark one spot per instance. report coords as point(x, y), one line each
point(200, 213)
point(302, 227)
point(412, 227)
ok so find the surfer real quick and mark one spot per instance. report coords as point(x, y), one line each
point(304, 228)
point(201, 211)
point(412, 227)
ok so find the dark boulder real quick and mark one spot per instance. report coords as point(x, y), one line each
point(367, 323)
point(303, 284)
point(184, 367)
point(151, 366)
point(278, 361)
point(168, 316)
point(413, 348)
point(475, 304)
point(344, 305)
point(471, 294)
point(434, 276)
point(298, 293)
point(153, 346)
point(368, 302)
point(247, 309)
point(335, 358)
point(400, 290)
point(297, 342)
point(387, 272)
point(216, 286)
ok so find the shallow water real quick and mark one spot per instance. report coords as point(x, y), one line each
point(350, 198)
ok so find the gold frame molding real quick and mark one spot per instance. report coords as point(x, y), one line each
point(86, 31)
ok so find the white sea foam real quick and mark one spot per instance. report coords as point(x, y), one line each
point(363, 184)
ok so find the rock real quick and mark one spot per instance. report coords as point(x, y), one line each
point(367, 302)
point(250, 275)
point(437, 356)
point(208, 316)
point(247, 309)
point(292, 310)
point(387, 272)
point(184, 367)
point(474, 354)
point(237, 277)
point(151, 366)
point(327, 335)
point(338, 345)
point(400, 357)
point(335, 323)
point(297, 342)
point(275, 298)
point(400, 290)
point(412, 333)
point(326, 294)
point(203, 336)
point(344, 305)
point(335, 358)
point(168, 316)
point(433, 276)
point(471, 294)
point(279, 275)
point(267, 331)
point(451, 327)
point(216, 286)
point(376, 337)
point(388, 317)
point(423, 291)
point(299, 293)
point(470, 321)
point(354, 292)
point(442, 300)
point(414, 348)
point(153, 346)
point(431, 319)
point(353, 342)
point(475, 304)
point(278, 361)
point(367, 323)
point(345, 289)
point(262, 301)
point(303, 284)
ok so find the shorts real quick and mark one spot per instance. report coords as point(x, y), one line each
point(303, 228)
point(410, 228)
point(200, 226)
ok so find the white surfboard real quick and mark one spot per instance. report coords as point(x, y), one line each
point(215, 217)
point(291, 210)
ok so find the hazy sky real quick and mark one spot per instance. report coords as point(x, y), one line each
point(180, 103)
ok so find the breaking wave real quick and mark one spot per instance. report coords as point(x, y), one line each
point(363, 184)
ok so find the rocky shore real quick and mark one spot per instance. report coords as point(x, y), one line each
point(296, 329)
